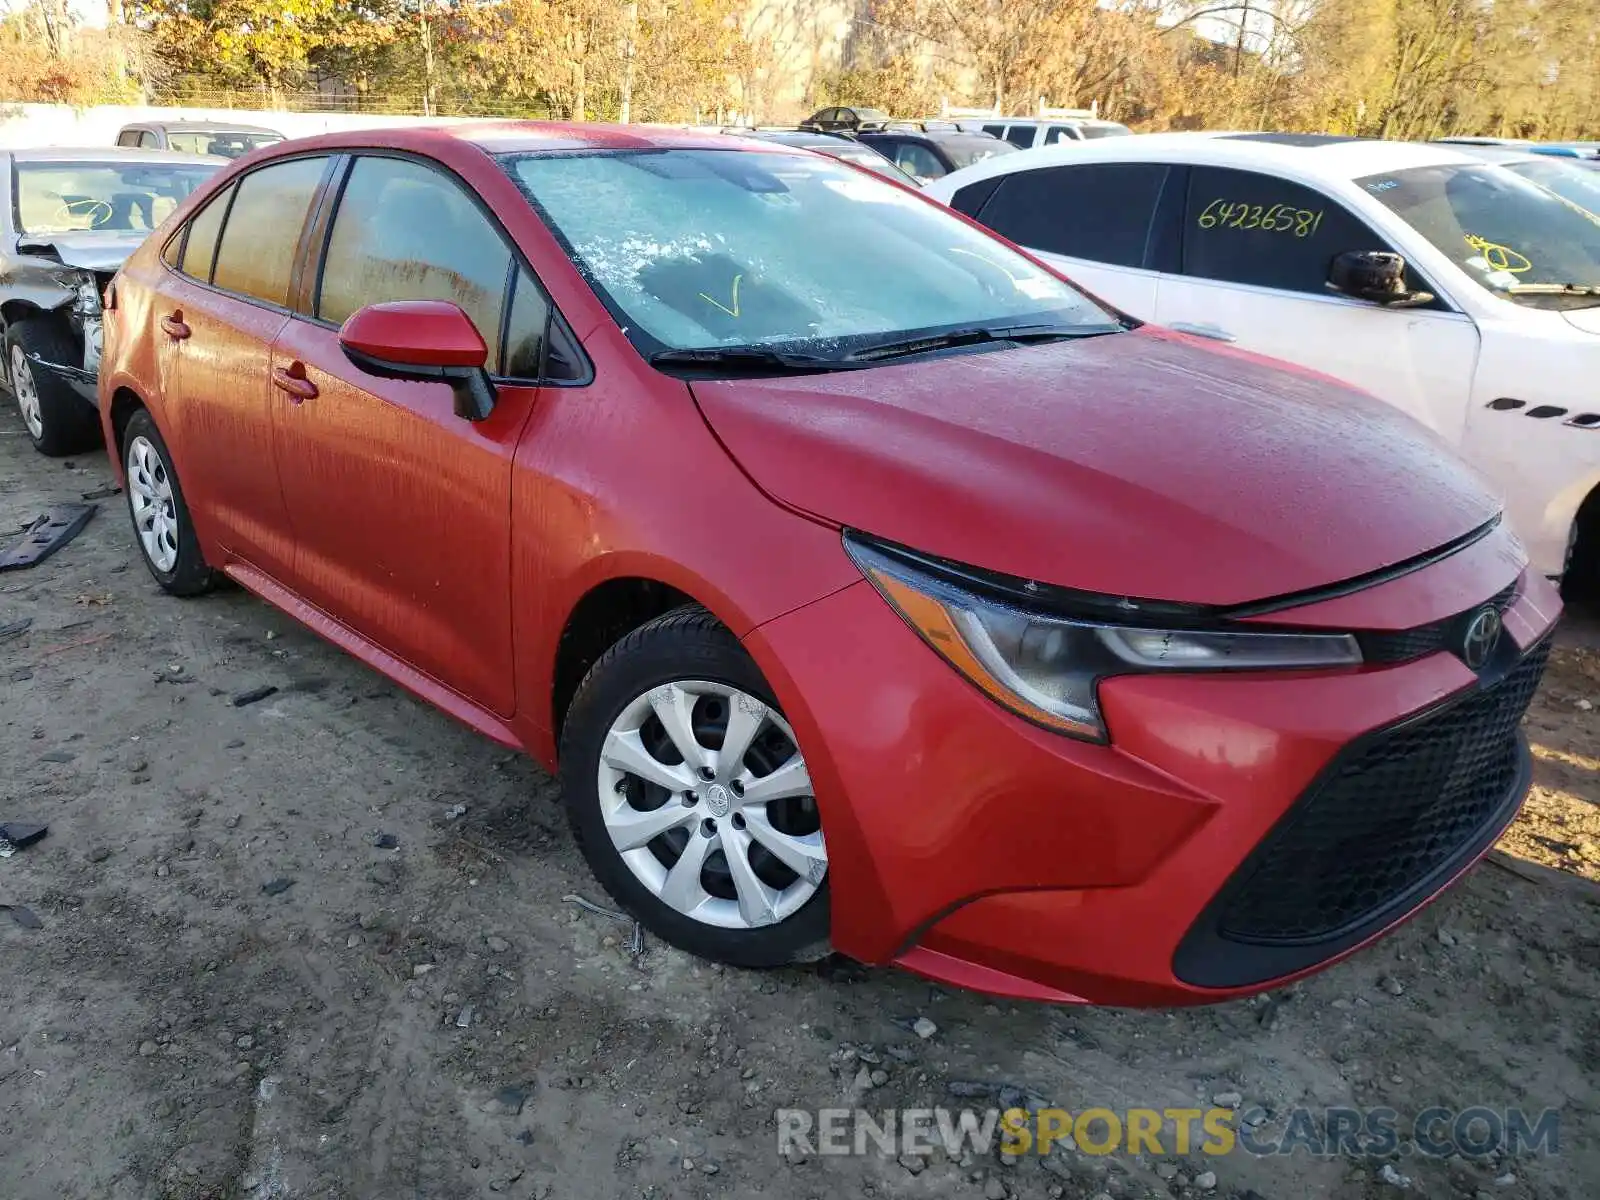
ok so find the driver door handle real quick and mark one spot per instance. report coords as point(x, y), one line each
point(174, 327)
point(292, 379)
point(1215, 332)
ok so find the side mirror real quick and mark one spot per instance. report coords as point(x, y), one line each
point(1376, 276)
point(424, 340)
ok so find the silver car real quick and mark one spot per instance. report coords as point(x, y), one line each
point(221, 138)
point(68, 219)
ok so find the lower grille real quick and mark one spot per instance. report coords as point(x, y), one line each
point(1390, 813)
point(1393, 816)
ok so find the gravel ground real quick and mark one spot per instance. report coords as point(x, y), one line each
point(319, 945)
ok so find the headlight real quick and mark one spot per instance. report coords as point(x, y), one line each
point(85, 296)
point(1046, 667)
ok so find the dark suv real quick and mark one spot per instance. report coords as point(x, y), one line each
point(926, 152)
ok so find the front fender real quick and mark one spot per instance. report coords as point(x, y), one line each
point(35, 283)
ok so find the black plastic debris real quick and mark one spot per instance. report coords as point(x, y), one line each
point(253, 695)
point(53, 529)
point(19, 835)
point(22, 916)
point(15, 628)
point(386, 841)
point(277, 887)
point(103, 493)
point(510, 1100)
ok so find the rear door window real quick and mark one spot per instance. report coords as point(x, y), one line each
point(1100, 212)
point(128, 137)
point(200, 246)
point(1020, 136)
point(1250, 228)
point(256, 255)
point(1059, 133)
point(404, 231)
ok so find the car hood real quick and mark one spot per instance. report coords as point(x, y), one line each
point(1137, 464)
point(1586, 319)
point(87, 251)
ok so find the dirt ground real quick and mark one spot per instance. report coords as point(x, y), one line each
point(236, 993)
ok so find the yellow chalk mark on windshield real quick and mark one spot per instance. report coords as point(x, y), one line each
point(1499, 258)
point(732, 312)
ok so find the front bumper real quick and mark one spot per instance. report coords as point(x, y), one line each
point(977, 849)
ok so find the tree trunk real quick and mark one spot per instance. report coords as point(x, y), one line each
point(426, 29)
point(627, 62)
point(119, 55)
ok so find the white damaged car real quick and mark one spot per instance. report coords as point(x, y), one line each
point(68, 219)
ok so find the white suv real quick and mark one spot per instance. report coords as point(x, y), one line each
point(1027, 132)
point(1458, 291)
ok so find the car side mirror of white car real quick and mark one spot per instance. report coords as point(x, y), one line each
point(1375, 276)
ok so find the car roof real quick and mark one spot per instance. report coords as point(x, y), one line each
point(202, 127)
point(520, 137)
point(103, 154)
point(929, 135)
point(1322, 156)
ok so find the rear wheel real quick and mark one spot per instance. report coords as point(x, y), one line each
point(690, 797)
point(58, 420)
point(160, 516)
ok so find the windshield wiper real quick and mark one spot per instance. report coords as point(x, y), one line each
point(905, 347)
point(746, 358)
point(1553, 289)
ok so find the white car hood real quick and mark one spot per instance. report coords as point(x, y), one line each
point(87, 251)
point(1586, 319)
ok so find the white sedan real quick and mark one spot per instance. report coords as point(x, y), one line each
point(1455, 289)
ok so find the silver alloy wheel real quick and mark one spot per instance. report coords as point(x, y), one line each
point(739, 816)
point(27, 392)
point(155, 513)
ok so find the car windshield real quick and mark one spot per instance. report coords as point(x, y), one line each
point(1567, 178)
point(109, 197)
point(872, 161)
point(966, 149)
point(1519, 240)
point(699, 249)
point(225, 143)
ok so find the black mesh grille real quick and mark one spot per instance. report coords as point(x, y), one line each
point(1395, 809)
point(1427, 639)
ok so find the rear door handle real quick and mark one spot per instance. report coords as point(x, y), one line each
point(174, 327)
point(292, 379)
point(1215, 332)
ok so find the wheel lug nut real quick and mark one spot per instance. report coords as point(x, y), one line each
point(738, 820)
point(688, 799)
point(707, 774)
point(736, 788)
point(708, 827)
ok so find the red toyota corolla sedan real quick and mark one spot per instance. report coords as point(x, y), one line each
point(868, 585)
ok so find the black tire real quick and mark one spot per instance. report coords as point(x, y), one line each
point(69, 423)
point(687, 643)
point(1580, 586)
point(189, 574)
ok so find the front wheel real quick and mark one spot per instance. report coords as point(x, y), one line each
point(690, 798)
point(58, 420)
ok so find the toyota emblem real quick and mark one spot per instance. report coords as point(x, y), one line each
point(1481, 637)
